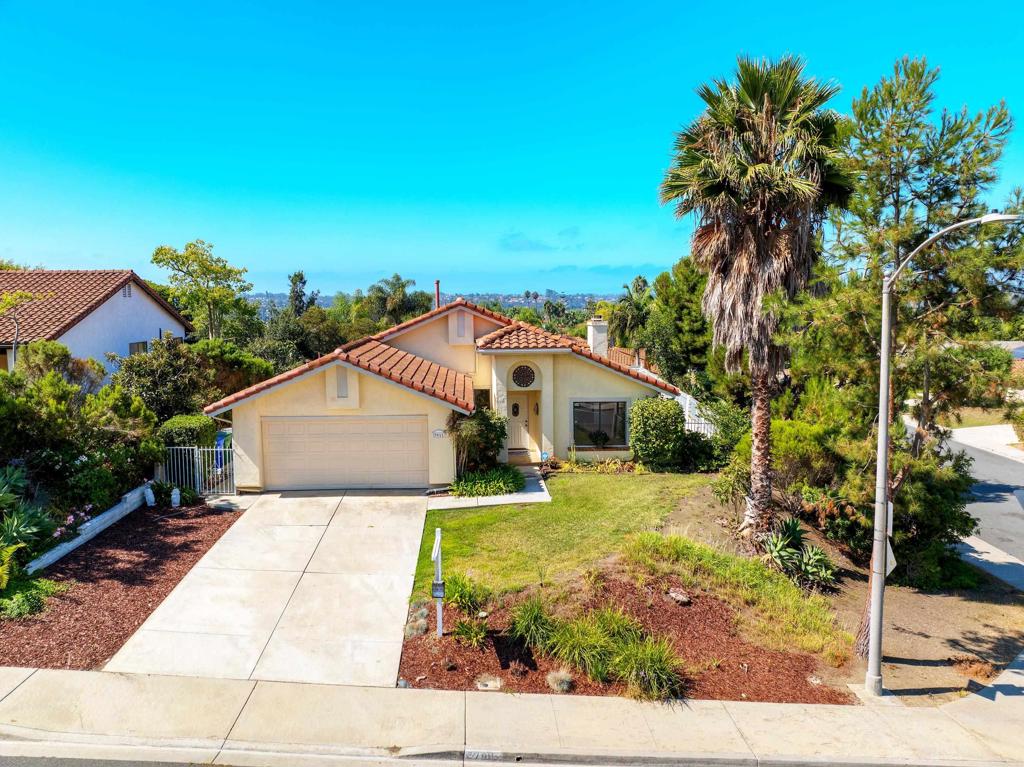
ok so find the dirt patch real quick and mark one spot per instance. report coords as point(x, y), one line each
point(700, 517)
point(719, 664)
point(114, 582)
point(936, 644)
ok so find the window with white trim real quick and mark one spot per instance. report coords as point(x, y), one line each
point(599, 424)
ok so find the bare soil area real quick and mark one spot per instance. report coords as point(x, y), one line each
point(718, 663)
point(114, 582)
point(937, 645)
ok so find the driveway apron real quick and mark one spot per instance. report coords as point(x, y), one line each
point(305, 587)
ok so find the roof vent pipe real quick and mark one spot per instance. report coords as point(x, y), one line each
point(437, 294)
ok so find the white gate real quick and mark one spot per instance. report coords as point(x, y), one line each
point(207, 470)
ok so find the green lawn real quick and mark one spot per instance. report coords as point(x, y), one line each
point(510, 547)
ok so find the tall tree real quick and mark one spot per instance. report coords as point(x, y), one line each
point(298, 300)
point(630, 314)
point(759, 169)
point(678, 335)
point(391, 296)
point(920, 169)
point(206, 284)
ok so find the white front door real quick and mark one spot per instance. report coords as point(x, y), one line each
point(518, 422)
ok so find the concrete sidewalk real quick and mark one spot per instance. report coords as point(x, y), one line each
point(105, 715)
point(995, 439)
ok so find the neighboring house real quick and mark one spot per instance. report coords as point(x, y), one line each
point(1016, 349)
point(91, 311)
point(373, 412)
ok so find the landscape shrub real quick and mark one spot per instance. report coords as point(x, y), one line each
point(37, 359)
point(188, 430)
point(171, 378)
point(499, 480)
point(234, 368)
point(465, 594)
point(27, 596)
point(730, 423)
point(477, 439)
point(656, 429)
point(531, 623)
point(471, 632)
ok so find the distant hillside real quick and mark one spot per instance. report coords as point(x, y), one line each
point(571, 300)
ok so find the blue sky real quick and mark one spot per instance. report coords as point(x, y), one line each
point(497, 147)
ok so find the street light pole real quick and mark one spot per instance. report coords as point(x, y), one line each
point(873, 677)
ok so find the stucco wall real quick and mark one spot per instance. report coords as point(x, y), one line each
point(117, 322)
point(430, 341)
point(576, 378)
point(308, 397)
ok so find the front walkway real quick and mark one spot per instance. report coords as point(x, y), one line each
point(305, 587)
point(534, 491)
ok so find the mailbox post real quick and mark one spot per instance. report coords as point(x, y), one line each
point(437, 587)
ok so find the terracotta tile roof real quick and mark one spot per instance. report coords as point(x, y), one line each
point(626, 356)
point(456, 304)
point(416, 373)
point(70, 296)
point(522, 336)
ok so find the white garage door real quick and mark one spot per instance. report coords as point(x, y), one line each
point(338, 452)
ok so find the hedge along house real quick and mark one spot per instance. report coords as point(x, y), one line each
point(373, 413)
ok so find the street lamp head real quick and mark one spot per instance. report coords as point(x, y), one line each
point(991, 218)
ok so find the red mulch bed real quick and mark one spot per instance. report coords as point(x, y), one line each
point(115, 581)
point(720, 664)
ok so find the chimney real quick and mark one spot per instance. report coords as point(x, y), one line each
point(597, 336)
point(437, 293)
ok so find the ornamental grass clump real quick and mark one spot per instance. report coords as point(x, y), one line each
point(648, 667)
point(465, 594)
point(531, 623)
point(605, 644)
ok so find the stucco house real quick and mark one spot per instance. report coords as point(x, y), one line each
point(373, 412)
point(91, 311)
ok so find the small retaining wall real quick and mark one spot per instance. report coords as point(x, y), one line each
point(130, 501)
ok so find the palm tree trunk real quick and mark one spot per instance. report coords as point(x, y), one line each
point(759, 503)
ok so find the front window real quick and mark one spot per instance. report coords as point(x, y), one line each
point(482, 399)
point(138, 347)
point(599, 424)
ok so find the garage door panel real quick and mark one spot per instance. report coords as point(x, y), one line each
point(339, 451)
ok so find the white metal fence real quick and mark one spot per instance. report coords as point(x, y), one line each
point(695, 420)
point(207, 470)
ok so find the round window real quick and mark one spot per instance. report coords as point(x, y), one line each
point(523, 376)
point(515, 409)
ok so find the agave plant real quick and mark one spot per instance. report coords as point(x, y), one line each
point(779, 552)
point(815, 568)
point(790, 529)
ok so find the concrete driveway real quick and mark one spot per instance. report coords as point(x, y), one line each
point(305, 587)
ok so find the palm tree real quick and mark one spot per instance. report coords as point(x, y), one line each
point(392, 295)
point(630, 314)
point(759, 169)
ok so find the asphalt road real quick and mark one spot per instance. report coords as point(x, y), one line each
point(1000, 514)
